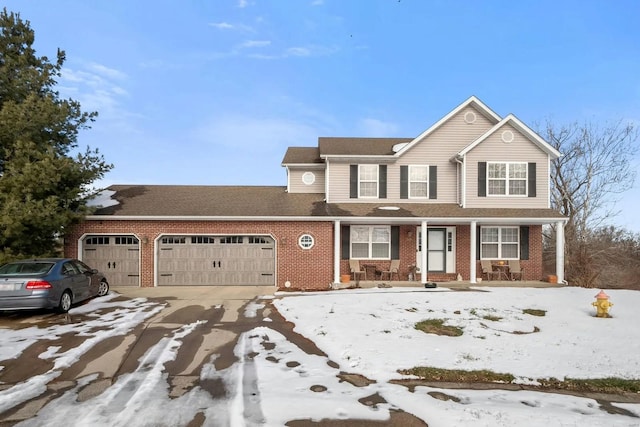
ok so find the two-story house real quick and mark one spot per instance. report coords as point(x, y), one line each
point(473, 186)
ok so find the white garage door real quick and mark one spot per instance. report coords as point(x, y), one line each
point(117, 257)
point(216, 260)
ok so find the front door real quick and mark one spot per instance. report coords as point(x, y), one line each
point(440, 249)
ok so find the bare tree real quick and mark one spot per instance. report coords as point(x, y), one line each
point(595, 170)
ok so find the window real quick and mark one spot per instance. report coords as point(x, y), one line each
point(418, 182)
point(231, 240)
point(174, 240)
point(368, 181)
point(370, 242)
point(499, 242)
point(306, 241)
point(126, 240)
point(95, 240)
point(257, 240)
point(507, 179)
point(202, 240)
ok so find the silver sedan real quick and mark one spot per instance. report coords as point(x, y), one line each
point(56, 283)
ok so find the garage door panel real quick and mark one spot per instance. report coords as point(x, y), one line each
point(216, 260)
point(117, 256)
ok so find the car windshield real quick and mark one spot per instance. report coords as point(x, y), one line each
point(26, 268)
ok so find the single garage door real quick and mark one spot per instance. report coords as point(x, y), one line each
point(216, 260)
point(117, 257)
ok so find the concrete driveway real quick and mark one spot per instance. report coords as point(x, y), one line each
point(220, 313)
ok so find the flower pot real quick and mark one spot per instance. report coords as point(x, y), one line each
point(345, 278)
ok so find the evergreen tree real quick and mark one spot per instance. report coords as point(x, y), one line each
point(44, 179)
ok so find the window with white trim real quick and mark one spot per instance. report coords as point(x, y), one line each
point(306, 241)
point(368, 181)
point(418, 182)
point(499, 242)
point(506, 179)
point(370, 242)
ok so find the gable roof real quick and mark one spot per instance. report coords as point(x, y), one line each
point(473, 101)
point(524, 129)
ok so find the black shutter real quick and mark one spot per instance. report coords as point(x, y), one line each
point(404, 182)
point(478, 242)
point(382, 181)
point(353, 179)
point(531, 177)
point(395, 242)
point(344, 237)
point(433, 182)
point(482, 179)
point(524, 242)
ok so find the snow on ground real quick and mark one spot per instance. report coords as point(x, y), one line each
point(371, 332)
point(107, 319)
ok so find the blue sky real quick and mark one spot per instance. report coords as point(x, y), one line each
point(213, 92)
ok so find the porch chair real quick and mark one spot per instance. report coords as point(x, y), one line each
point(394, 268)
point(354, 266)
point(487, 269)
point(515, 270)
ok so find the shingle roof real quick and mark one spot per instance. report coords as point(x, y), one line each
point(359, 146)
point(302, 155)
point(264, 202)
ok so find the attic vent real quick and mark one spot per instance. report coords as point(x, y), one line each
point(470, 117)
point(308, 178)
point(399, 147)
point(507, 136)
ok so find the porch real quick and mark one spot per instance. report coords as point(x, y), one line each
point(452, 284)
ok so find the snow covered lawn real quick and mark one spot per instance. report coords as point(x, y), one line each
point(371, 332)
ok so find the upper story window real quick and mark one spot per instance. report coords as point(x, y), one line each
point(506, 179)
point(368, 181)
point(499, 242)
point(370, 242)
point(418, 182)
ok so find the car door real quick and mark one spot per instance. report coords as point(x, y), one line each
point(76, 281)
point(93, 284)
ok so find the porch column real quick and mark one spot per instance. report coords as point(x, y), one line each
point(472, 251)
point(336, 251)
point(560, 251)
point(423, 252)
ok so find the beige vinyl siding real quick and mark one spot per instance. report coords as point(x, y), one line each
point(521, 149)
point(435, 150)
point(297, 186)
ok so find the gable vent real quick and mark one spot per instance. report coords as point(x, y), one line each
point(470, 117)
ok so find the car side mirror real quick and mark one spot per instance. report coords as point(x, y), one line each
point(93, 271)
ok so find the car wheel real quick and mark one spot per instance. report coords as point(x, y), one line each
point(65, 302)
point(103, 288)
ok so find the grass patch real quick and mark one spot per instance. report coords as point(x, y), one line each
point(457, 375)
point(437, 326)
point(595, 385)
point(535, 312)
point(492, 318)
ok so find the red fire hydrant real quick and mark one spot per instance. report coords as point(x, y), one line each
point(602, 305)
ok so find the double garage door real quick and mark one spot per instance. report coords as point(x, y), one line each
point(186, 260)
point(216, 260)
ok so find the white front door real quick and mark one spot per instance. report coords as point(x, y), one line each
point(440, 249)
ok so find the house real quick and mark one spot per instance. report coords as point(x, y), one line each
point(473, 186)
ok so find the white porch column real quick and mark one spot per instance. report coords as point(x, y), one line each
point(472, 259)
point(336, 251)
point(560, 251)
point(423, 252)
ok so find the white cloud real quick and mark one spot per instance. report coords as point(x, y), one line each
point(317, 2)
point(243, 3)
point(298, 51)
point(376, 128)
point(107, 72)
point(255, 43)
point(231, 27)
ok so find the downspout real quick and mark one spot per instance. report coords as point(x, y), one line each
point(463, 179)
